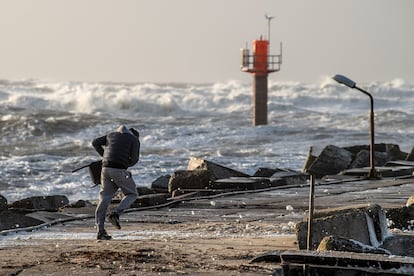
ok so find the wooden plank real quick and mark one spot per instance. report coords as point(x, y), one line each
point(349, 260)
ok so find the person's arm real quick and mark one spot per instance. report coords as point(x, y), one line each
point(98, 144)
point(134, 153)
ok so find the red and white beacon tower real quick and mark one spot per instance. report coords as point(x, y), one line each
point(260, 64)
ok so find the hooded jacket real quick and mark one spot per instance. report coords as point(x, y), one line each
point(119, 149)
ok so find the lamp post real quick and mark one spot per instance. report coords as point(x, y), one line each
point(351, 84)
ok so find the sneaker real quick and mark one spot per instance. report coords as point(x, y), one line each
point(103, 236)
point(114, 219)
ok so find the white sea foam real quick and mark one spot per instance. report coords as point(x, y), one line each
point(47, 127)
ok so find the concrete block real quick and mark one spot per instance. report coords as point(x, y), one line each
point(241, 183)
point(13, 220)
point(363, 224)
point(190, 179)
point(216, 171)
point(291, 177)
point(49, 203)
point(161, 184)
point(332, 160)
point(401, 245)
point(331, 243)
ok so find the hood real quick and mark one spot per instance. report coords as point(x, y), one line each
point(124, 129)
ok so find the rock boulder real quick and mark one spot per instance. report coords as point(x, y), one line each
point(48, 203)
point(3, 203)
point(332, 160)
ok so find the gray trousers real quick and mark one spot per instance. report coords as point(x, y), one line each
point(112, 180)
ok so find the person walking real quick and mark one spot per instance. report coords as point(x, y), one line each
point(120, 150)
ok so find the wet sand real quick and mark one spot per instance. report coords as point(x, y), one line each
point(208, 236)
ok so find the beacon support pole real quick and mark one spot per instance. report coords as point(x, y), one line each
point(260, 100)
point(260, 64)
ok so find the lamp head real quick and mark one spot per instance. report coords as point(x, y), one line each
point(344, 80)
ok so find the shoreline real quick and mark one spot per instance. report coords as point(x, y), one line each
point(167, 241)
point(199, 237)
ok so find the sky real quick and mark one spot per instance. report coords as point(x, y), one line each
point(199, 41)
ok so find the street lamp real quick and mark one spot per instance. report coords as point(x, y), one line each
point(351, 84)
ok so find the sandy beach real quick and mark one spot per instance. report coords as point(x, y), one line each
point(207, 236)
point(162, 255)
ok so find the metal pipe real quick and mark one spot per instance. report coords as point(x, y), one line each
point(311, 209)
point(372, 172)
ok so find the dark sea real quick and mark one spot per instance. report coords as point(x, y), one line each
point(47, 127)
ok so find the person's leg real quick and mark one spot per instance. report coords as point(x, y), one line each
point(107, 191)
point(125, 182)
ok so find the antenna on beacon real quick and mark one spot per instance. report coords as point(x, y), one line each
point(269, 18)
point(260, 64)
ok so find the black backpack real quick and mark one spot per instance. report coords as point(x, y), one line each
point(95, 169)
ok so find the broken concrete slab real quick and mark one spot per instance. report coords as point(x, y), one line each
point(396, 171)
point(362, 159)
point(80, 204)
point(360, 229)
point(12, 220)
point(374, 212)
point(310, 158)
point(332, 160)
point(190, 179)
point(45, 216)
point(401, 244)
point(337, 263)
point(363, 172)
point(291, 177)
point(241, 183)
point(279, 178)
point(143, 190)
point(339, 178)
point(266, 172)
point(202, 174)
point(331, 243)
point(216, 171)
point(160, 184)
point(392, 150)
point(356, 228)
point(150, 200)
point(366, 224)
point(399, 163)
point(388, 171)
point(277, 182)
point(410, 156)
point(49, 203)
